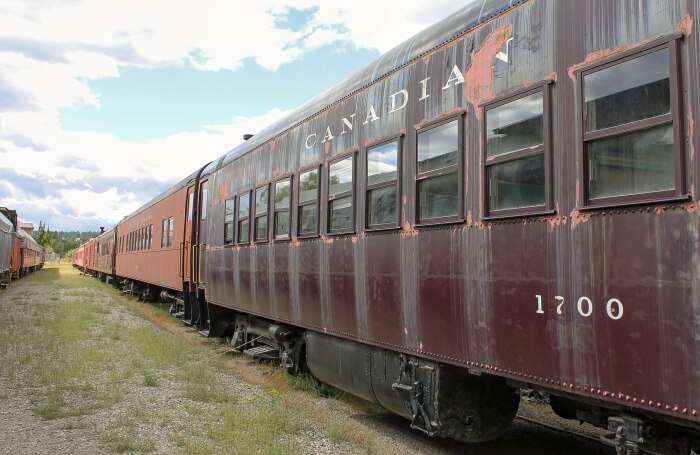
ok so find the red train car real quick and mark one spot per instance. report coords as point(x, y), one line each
point(31, 253)
point(103, 254)
point(7, 240)
point(506, 201)
point(79, 256)
point(151, 243)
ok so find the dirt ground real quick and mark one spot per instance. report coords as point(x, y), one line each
point(85, 370)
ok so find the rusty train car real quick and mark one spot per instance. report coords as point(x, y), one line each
point(506, 200)
point(7, 241)
point(20, 254)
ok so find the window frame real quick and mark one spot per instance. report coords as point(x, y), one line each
point(544, 87)
point(352, 193)
point(247, 217)
point(232, 223)
point(459, 117)
point(399, 139)
point(273, 195)
point(298, 204)
point(673, 118)
point(256, 216)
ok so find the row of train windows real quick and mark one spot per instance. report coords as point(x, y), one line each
point(138, 240)
point(629, 142)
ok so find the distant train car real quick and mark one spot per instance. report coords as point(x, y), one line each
point(103, 264)
point(7, 240)
point(151, 243)
point(31, 253)
point(79, 256)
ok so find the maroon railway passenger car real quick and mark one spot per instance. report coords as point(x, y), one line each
point(505, 201)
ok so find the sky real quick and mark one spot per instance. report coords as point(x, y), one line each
point(105, 104)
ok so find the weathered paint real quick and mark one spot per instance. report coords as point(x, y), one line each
point(456, 294)
point(465, 293)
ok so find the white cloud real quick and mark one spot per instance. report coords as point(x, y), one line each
point(50, 49)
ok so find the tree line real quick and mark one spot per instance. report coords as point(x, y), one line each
point(60, 242)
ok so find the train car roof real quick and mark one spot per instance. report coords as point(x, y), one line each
point(26, 236)
point(461, 22)
point(5, 224)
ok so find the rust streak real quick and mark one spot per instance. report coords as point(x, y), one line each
point(408, 230)
point(685, 26)
point(223, 192)
point(578, 218)
point(691, 207)
point(690, 131)
point(478, 79)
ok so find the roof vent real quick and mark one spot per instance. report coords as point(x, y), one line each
point(102, 230)
point(247, 136)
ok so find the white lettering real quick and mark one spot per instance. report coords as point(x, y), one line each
point(371, 116)
point(540, 310)
point(559, 299)
point(348, 123)
point(328, 136)
point(309, 146)
point(403, 93)
point(589, 307)
point(455, 77)
point(617, 315)
point(424, 89)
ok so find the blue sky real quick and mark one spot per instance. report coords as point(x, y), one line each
point(170, 100)
point(103, 103)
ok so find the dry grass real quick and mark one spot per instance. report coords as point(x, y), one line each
point(80, 358)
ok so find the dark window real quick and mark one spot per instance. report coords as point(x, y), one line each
point(164, 234)
point(204, 199)
point(383, 185)
point(171, 230)
point(150, 235)
point(630, 128)
point(439, 187)
point(283, 204)
point(229, 211)
point(262, 198)
point(516, 145)
point(340, 195)
point(243, 217)
point(308, 202)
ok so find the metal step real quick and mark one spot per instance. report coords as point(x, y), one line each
point(258, 350)
point(179, 315)
point(204, 333)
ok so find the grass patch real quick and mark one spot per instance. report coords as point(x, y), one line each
point(150, 379)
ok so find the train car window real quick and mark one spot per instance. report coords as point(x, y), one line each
point(340, 196)
point(631, 134)
point(150, 235)
point(205, 195)
point(283, 205)
point(383, 185)
point(190, 204)
point(229, 211)
point(171, 230)
point(262, 198)
point(244, 217)
point(438, 179)
point(308, 203)
point(164, 233)
point(516, 143)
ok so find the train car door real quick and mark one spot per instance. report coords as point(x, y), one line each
point(186, 246)
point(202, 232)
